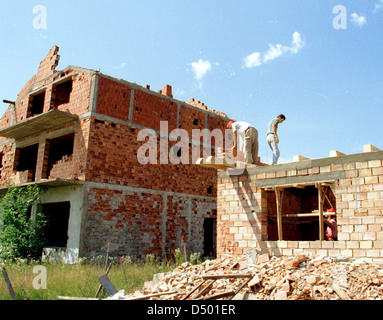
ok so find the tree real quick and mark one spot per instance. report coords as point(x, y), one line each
point(21, 234)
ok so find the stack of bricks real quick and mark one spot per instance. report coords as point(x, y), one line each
point(244, 208)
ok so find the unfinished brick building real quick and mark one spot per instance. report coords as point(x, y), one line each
point(75, 132)
point(279, 209)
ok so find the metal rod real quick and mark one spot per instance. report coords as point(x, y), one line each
point(10, 102)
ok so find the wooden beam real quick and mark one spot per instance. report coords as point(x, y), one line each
point(226, 276)
point(279, 196)
point(321, 199)
point(298, 185)
point(195, 289)
point(306, 215)
point(218, 295)
point(9, 285)
point(147, 297)
point(75, 298)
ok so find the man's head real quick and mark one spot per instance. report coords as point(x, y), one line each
point(281, 118)
point(332, 213)
point(229, 124)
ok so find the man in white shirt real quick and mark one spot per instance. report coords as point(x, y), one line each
point(249, 137)
point(272, 136)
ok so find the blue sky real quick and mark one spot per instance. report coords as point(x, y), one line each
point(251, 59)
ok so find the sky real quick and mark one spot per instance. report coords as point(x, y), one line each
point(318, 62)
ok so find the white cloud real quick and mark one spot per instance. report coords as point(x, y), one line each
point(200, 68)
point(275, 51)
point(253, 60)
point(358, 20)
point(378, 6)
point(297, 43)
point(119, 67)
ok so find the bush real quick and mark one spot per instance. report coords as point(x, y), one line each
point(21, 236)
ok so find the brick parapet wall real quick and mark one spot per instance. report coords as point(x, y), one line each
point(358, 195)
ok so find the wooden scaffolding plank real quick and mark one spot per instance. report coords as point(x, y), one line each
point(322, 190)
point(279, 196)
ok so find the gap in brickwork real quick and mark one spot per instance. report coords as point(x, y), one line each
point(297, 204)
point(60, 150)
point(209, 227)
point(36, 104)
point(56, 230)
point(61, 93)
point(26, 160)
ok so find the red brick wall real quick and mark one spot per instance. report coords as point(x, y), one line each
point(112, 158)
point(171, 211)
point(113, 99)
point(149, 110)
point(137, 222)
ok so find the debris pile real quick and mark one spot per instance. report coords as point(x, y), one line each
point(261, 277)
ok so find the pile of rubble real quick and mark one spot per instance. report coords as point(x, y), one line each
point(261, 277)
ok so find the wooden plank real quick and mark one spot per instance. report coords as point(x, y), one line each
point(194, 290)
point(279, 197)
point(9, 285)
point(206, 289)
point(297, 185)
point(110, 289)
point(75, 298)
point(226, 276)
point(306, 215)
point(240, 288)
point(218, 295)
point(152, 295)
point(320, 204)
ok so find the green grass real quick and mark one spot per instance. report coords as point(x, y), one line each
point(78, 280)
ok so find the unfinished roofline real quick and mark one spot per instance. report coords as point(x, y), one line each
point(136, 86)
point(32, 91)
point(305, 164)
point(133, 85)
